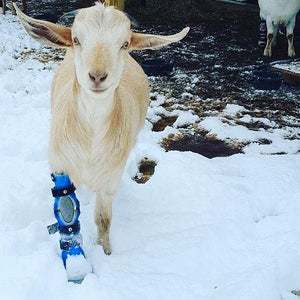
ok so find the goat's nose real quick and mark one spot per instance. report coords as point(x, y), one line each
point(98, 76)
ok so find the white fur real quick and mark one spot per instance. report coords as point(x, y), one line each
point(277, 12)
point(95, 123)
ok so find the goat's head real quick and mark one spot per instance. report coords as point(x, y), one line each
point(100, 37)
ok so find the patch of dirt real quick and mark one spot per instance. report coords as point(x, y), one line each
point(164, 122)
point(214, 64)
point(213, 67)
point(256, 126)
point(44, 57)
point(264, 142)
point(207, 146)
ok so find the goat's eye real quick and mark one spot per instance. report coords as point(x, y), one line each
point(76, 41)
point(125, 45)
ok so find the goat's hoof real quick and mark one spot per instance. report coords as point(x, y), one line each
point(291, 54)
point(267, 53)
point(106, 248)
point(107, 251)
point(105, 245)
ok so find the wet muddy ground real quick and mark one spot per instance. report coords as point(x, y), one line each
point(213, 66)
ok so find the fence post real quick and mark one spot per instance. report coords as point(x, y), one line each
point(24, 4)
point(119, 4)
point(13, 11)
point(3, 6)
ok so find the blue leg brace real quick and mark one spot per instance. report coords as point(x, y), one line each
point(66, 211)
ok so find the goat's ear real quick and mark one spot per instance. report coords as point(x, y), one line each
point(140, 41)
point(46, 32)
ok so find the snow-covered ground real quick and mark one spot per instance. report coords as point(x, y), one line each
point(222, 228)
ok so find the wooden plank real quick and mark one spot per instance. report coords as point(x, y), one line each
point(119, 4)
point(291, 79)
point(289, 76)
point(239, 5)
point(289, 67)
point(278, 69)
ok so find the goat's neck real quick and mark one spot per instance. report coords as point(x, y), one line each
point(95, 110)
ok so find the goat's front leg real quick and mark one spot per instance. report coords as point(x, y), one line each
point(271, 29)
point(67, 211)
point(106, 184)
point(290, 36)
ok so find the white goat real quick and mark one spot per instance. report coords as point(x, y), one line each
point(99, 100)
point(277, 12)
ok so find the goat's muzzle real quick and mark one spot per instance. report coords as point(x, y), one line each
point(97, 77)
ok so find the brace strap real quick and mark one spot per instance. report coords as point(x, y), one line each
point(60, 192)
point(67, 230)
point(66, 245)
point(70, 229)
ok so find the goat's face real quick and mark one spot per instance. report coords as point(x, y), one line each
point(100, 38)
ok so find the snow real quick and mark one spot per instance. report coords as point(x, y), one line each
point(77, 267)
point(185, 118)
point(293, 67)
point(281, 140)
point(233, 109)
point(222, 228)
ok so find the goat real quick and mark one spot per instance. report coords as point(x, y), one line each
point(277, 12)
point(99, 98)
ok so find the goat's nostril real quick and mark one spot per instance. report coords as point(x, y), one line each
point(103, 77)
point(92, 77)
point(97, 76)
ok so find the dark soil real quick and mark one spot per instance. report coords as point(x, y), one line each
point(163, 123)
point(51, 10)
point(214, 65)
point(203, 145)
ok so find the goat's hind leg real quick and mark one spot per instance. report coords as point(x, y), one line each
point(271, 30)
point(290, 36)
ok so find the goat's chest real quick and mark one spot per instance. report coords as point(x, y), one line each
point(89, 141)
point(93, 123)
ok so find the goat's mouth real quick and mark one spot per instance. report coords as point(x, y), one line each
point(98, 91)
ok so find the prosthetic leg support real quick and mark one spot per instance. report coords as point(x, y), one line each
point(67, 211)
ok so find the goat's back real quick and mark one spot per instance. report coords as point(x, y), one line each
point(278, 10)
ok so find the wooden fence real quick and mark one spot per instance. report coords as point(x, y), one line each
point(4, 3)
point(117, 3)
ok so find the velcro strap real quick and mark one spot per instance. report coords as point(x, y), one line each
point(64, 191)
point(71, 229)
point(53, 228)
